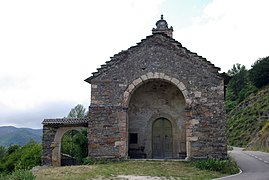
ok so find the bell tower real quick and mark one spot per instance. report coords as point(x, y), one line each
point(162, 27)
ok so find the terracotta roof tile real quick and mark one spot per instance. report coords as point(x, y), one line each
point(65, 121)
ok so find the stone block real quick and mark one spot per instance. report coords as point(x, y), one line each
point(150, 75)
point(122, 85)
point(167, 78)
point(162, 75)
point(181, 86)
point(175, 81)
point(94, 86)
point(130, 88)
point(194, 138)
point(194, 122)
point(156, 75)
point(137, 81)
point(197, 94)
point(144, 77)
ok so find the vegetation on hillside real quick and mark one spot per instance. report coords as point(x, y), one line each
point(247, 103)
point(10, 135)
point(16, 161)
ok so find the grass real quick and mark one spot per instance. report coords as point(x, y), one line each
point(166, 169)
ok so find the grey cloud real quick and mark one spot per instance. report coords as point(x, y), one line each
point(33, 117)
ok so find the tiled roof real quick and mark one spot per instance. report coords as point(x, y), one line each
point(65, 121)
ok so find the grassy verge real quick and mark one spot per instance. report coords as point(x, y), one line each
point(184, 170)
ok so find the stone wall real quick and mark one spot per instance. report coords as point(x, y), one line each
point(162, 58)
point(47, 144)
point(107, 132)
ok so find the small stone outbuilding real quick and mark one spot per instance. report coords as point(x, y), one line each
point(156, 100)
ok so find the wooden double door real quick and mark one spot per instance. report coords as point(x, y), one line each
point(162, 139)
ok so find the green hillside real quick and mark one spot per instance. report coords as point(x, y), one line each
point(10, 135)
point(248, 122)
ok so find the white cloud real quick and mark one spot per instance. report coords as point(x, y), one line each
point(47, 48)
point(229, 32)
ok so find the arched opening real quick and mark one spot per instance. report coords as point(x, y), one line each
point(74, 147)
point(154, 102)
point(162, 139)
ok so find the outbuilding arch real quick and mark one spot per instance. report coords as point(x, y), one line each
point(56, 152)
point(53, 131)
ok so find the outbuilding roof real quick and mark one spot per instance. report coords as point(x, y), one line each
point(66, 121)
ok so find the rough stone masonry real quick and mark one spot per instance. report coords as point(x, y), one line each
point(156, 100)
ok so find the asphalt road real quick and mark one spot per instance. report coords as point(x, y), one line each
point(254, 165)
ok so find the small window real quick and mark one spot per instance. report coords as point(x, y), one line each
point(133, 138)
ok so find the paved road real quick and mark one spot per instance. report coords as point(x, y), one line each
point(254, 165)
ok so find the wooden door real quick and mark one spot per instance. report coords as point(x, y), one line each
point(162, 139)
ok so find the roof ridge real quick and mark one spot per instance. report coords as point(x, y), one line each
point(116, 58)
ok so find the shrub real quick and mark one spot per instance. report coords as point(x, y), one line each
point(24, 157)
point(223, 166)
point(19, 175)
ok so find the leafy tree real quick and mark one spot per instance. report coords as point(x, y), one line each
point(81, 145)
point(239, 87)
point(75, 143)
point(259, 74)
point(2, 152)
point(236, 69)
point(77, 112)
point(18, 157)
point(12, 148)
point(30, 156)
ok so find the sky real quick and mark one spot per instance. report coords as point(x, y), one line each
point(48, 48)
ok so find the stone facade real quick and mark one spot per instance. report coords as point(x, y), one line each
point(155, 100)
point(157, 78)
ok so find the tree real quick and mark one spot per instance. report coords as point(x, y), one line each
point(239, 87)
point(237, 68)
point(78, 112)
point(21, 157)
point(2, 152)
point(75, 143)
point(259, 74)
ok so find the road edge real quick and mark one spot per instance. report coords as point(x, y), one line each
point(240, 170)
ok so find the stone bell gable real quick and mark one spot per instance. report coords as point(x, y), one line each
point(157, 100)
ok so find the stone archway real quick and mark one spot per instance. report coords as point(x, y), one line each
point(148, 100)
point(56, 151)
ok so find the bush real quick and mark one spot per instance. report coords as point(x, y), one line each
point(24, 157)
point(223, 166)
point(19, 175)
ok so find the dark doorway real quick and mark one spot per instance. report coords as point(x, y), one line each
point(74, 147)
point(162, 139)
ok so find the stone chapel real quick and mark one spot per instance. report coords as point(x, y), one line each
point(155, 100)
